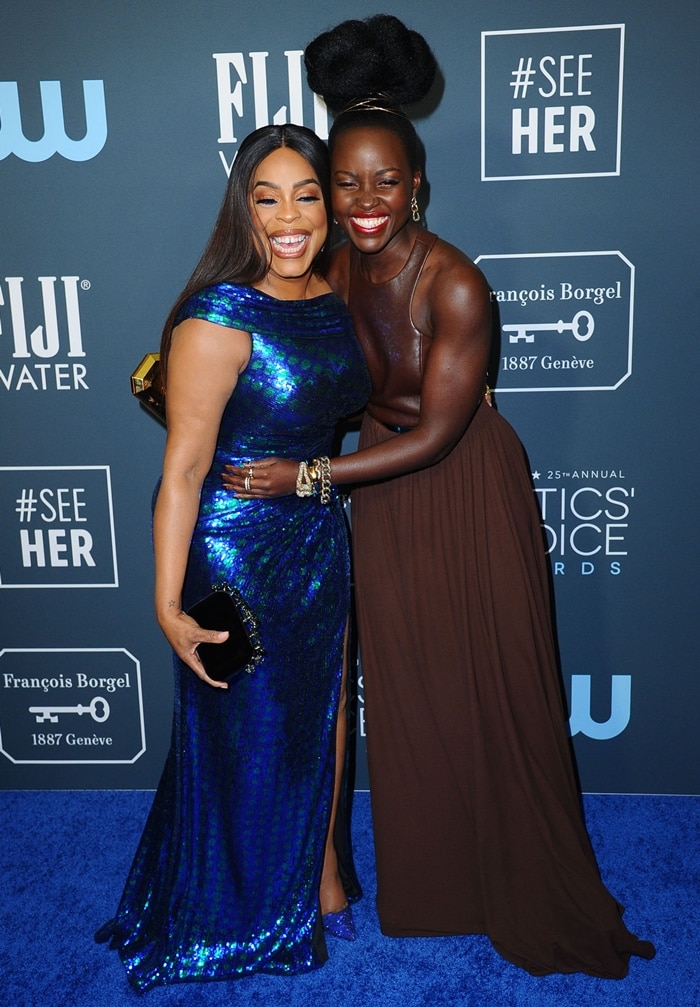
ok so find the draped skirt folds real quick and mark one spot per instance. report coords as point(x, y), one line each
point(477, 817)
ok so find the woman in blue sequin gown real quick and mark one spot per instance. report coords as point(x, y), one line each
point(225, 881)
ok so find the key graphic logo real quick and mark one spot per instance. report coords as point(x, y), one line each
point(565, 317)
point(55, 139)
point(65, 706)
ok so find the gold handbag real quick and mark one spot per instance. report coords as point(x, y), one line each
point(147, 385)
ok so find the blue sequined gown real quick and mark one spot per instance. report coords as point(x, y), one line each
point(225, 879)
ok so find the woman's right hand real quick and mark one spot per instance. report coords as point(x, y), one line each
point(203, 367)
point(184, 635)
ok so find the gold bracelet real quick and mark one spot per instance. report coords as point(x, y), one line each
point(305, 486)
point(322, 474)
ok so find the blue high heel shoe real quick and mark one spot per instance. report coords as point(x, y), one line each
point(340, 924)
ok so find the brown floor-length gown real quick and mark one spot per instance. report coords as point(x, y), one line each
point(477, 819)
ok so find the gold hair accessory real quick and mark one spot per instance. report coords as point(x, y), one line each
point(374, 103)
point(415, 210)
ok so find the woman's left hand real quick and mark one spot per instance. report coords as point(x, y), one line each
point(267, 477)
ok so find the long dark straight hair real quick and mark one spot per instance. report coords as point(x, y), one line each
point(234, 253)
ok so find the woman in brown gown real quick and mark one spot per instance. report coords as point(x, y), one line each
point(477, 819)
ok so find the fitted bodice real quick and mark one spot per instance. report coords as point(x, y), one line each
point(395, 349)
point(306, 372)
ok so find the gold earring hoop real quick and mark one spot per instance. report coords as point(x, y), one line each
point(415, 211)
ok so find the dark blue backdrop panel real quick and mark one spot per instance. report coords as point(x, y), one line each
point(560, 146)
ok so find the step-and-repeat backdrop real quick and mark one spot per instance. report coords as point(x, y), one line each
point(562, 152)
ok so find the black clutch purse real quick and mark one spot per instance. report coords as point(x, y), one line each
point(226, 609)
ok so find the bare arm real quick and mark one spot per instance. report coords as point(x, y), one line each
point(459, 316)
point(458, 313)
point(203, 368)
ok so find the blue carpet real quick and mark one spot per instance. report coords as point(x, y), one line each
point(64, 857)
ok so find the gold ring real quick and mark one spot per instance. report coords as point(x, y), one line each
point(246, 484)
point(251, 472)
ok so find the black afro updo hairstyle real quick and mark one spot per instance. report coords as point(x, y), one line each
point(377, 56)
point(378, 62)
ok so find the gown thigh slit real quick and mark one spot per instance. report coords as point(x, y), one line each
point(225, 880)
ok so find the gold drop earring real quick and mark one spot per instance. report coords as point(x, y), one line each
point(415, 211)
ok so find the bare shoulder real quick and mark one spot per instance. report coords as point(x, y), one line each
point(201, 345)
point(449, 268)
point(452, 289)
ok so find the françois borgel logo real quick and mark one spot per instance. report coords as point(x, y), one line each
point(551, 102)
point(48, 356)
point(566, 319)
point(66, 706)
point(57, 527)
point(249, 91)
point(50, 127)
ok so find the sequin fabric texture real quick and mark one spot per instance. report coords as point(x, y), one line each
point(225, 879)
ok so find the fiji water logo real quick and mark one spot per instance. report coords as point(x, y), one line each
point(37, 362)
point(251, 94)
point(55, 139)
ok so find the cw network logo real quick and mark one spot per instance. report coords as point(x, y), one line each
point(55, 139)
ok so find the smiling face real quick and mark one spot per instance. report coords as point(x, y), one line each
point(290, 219)
point(372, 184)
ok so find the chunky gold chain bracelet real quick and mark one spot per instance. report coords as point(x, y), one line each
point(315, 475)
point(322, 466)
